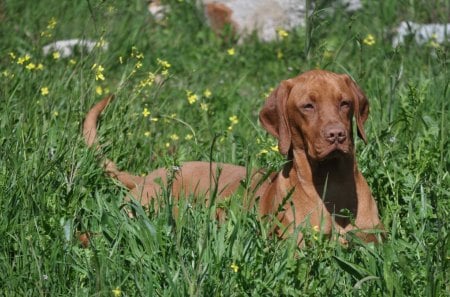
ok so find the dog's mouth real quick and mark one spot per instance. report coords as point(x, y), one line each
point(332, 152)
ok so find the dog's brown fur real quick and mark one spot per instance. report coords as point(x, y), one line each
point(311, 116)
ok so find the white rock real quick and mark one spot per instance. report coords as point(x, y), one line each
point(66, 47)
point(422, 32)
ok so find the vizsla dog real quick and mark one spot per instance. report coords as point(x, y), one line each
point(319, 186)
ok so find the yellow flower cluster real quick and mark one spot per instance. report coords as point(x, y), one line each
point(204, 106)
point(207, 93)
point(191, 97)
point(146, 112)
point(164, 65)
point(7, 73)
point(25, 60)
point(98, 69)
point(433, 41)
point(234, 267)
point(117, 292)
point(135, 53)
point(269, 146)
point(101, 43)
point(282, 34)
point(44, 91)
point(148, 81)
point(369, 40)
point(231, 51)
point(269, 91)
point(50, 27)
point(273, 148)
point(233, 121)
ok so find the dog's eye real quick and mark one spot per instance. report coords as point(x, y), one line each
point(308, 107)
point(345, 104)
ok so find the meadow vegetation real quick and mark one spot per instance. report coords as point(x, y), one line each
point(182, 94)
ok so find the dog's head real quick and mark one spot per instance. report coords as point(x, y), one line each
point(314, 112)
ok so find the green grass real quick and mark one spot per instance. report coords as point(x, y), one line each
point(51, 185)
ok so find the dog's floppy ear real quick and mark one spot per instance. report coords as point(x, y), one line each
point(273, 116)
point(361, 107)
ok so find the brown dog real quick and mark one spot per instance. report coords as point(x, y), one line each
point(320, 185)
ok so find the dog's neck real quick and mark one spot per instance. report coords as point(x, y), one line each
point(333, 180)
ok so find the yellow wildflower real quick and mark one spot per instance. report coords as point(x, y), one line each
point(117, 292)
point(99, 76)
point(274, 148)
point(40, 66)
point(282, 33)
point(23, 59)
point(72, 61)
point(31, 66)
point(263, 152)
point(433, 44)
point(207, 93)
point(44, 91)
point(101, 42)
point(188, 137)
point(369, 40)
point(7, 73)
point(146, 112)
point(191, 97)
point(316, 230)
point(138, 65)
point(174, 137)
point(163, 63)
point(135, 53)
point(46, 34)
point(234, 267)
point(99, 90)
point(148, 81)
point(268, 93)
point(52, 23)
point(98, 72)
point(233, 119)
point(147, 133)
point(231, 51)
point(56, 55)
point(55, 113)
point(204, 106)
point(12, 55)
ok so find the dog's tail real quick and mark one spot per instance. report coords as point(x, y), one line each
point(90, 136)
